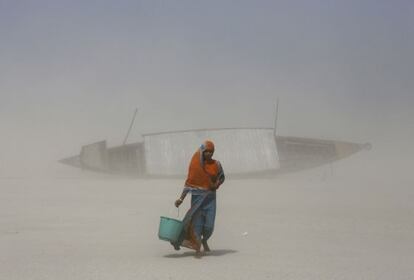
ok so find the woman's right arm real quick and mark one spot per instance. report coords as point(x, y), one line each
point(178, 202)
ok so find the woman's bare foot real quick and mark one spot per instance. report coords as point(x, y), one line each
point(198, 255)
point(205, 246)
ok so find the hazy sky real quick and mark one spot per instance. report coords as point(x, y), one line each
point(72, 72)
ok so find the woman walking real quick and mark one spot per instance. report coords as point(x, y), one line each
point(205, 175)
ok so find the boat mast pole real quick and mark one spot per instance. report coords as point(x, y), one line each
point(276, 115)
point(130, 126)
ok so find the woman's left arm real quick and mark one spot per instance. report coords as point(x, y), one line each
point(220, 176)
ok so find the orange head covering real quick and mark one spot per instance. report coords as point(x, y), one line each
point(201, 173)
point(207, 146)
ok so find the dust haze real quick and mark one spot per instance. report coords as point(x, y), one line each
point(72, 73)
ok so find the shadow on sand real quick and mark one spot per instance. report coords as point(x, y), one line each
point(215, 253)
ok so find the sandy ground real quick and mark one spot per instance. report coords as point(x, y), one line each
point(317, 225)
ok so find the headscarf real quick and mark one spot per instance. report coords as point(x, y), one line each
point(207, 146)
point(203, 174)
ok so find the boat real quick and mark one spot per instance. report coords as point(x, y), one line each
point(243, 152)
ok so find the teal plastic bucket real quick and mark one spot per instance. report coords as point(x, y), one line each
point(169, 229)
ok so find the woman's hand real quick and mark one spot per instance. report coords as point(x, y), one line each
point(215, 186)
point(178, 202)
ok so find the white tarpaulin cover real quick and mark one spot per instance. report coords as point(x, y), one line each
point(239, 150)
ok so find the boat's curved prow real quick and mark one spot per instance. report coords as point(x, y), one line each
point(72, 161)
point(298, 153)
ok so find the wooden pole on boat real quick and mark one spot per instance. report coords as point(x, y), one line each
point(276, 115)
point(130, 126)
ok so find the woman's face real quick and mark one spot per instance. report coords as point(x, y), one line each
point(208, 154)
